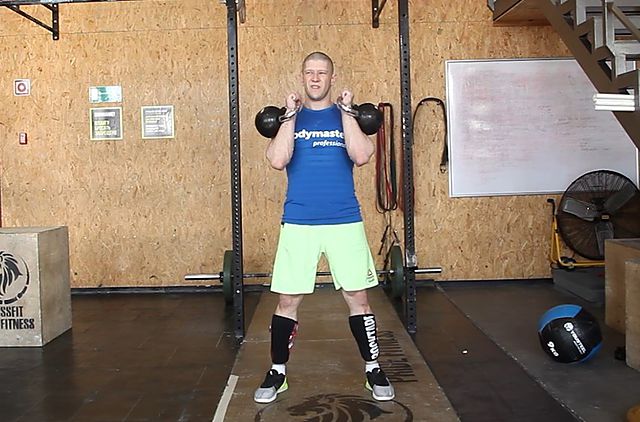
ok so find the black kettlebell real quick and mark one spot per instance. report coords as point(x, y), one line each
point(368, 117)
point(268, 121)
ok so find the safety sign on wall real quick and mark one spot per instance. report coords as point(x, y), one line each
point(106, 123)
point(157, 122)
point(105, 94)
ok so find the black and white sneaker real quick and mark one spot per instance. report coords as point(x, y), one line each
point(273, 384)
point(379, 385)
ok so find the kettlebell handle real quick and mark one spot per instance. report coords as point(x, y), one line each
point(351, 110)
point(288, 114)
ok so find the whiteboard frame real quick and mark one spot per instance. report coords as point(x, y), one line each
point(450, 133)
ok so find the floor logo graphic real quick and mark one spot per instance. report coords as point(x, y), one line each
point(14, 278)
point(337, 408)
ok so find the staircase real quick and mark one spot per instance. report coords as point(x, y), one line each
point(602, 35)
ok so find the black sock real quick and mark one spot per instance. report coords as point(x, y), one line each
point(364, 330)
point(281, 330)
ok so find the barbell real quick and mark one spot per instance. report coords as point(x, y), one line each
point(395, 273)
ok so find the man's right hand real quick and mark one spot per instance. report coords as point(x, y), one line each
point(292, 101)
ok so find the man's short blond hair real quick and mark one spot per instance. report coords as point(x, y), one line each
point(318, 55)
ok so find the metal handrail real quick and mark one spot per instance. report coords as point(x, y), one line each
point(622, 17)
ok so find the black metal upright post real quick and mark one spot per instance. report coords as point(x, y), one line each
point(407, 174)
point(236, 185)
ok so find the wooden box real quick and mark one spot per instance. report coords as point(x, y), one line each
point(632, 299)
point(35, 296)
point(617, 252)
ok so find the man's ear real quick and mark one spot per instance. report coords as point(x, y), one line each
point(333, 79)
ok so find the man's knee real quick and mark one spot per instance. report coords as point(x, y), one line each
point(288, 304)
point(358, 302)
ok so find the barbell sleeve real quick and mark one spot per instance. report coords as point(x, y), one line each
point(196, 277)
point(428, 270)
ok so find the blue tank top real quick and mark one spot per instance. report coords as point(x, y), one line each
point(320, 173)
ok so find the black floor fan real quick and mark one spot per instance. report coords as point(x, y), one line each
point(597, 206)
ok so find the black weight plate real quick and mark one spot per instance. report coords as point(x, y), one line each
point(397, 266)
point(227, 279)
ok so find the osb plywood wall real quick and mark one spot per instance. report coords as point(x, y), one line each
point(146, 212)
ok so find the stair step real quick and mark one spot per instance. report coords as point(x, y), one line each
point(595, 6)
point(631, 49)
point(603, 53)
point(588, 35)
point(622, 58)
point(628, 80)
point(567, 7)
point(619, 28)
point(579, 11)
point(586, 27)
point(568, 10)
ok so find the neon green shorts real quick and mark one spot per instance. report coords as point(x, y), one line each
point(345, 247)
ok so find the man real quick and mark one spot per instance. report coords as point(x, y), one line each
point(318, 146)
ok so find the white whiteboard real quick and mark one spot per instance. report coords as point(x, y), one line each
point(518, 127)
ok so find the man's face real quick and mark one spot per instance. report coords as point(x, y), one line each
point(317, 77)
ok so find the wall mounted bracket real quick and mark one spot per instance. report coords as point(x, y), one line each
point(376, 10)
point(53, 28)
point(52, 5)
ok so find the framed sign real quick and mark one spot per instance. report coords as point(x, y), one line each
point(105, 94)
point(106, 123)
point(157, 122)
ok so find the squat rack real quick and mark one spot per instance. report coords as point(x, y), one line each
point(237, 8)
point(410, 314)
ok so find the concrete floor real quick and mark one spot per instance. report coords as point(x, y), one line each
point(601, 389)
